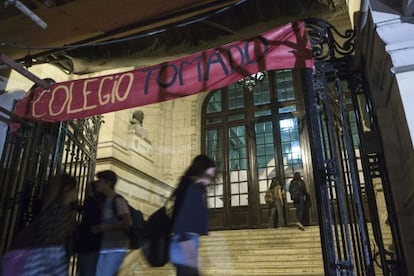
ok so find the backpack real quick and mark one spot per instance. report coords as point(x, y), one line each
point(295, 190)
point(269, 196)
point(136, 233)
point(156, 248)
point(84, 239)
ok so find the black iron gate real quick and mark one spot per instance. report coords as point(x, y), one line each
point(344, 165)
point(31, 156)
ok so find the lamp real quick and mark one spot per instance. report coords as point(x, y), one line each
point(250, 81)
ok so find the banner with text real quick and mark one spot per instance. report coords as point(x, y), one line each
point(281, 48)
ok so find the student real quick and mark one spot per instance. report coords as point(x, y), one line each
point(276, 218)
point(190, 215)
point(297, 190)
point(116, 219)
point(55, 222)
point(89, 243)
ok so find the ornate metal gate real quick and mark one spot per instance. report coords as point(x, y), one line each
point(346, 166)
point(31, 156)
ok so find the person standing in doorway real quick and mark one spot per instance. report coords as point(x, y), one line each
point(190, 215)
point(116, 219)
point(276, 218)
point(297, 190)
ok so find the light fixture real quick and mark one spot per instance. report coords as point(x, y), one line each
point(249, 82)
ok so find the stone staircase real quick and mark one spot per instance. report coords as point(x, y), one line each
point(271, 252)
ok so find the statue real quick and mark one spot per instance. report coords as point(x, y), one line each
point(137, 118)
point(136, 124)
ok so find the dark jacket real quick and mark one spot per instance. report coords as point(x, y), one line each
point(91, 215)
point(190, 209)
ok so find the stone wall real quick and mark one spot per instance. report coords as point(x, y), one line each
point(388, 56)
point(149, 158)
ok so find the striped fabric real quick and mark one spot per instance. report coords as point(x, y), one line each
point(49, 261)
point(53, 226)
point(48, 255)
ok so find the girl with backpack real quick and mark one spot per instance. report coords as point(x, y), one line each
point(276, 218)
point(190, 215)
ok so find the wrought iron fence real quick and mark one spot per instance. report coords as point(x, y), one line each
point(31, 156)
point(343, 159)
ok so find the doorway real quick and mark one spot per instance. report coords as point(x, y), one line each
point(255, 130)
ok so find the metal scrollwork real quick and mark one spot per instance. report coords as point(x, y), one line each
point(327, 42)
point(331, 170)
point(89, 128)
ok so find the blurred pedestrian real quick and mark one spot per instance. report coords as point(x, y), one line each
point(88, 243)
point(48, 255)
point(190, 215)
point(116, 220)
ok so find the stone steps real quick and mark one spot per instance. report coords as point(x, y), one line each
point(271, 252)
point(235, 269)
point(256, 252)
point(235, 272)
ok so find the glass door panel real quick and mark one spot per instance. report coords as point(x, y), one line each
point(265, 152)
point(214, 146)
point(215, 195)
point(239, 195)
point(291, 150)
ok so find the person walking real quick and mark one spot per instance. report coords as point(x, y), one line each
point(48, 255)
point(276, 218)
point(190, 215)
point(115, 221)
point(89, 243)
point(297, 190)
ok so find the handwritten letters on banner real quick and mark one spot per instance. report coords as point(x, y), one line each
point(281, 48)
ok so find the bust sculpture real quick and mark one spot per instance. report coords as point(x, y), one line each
point(137, 118)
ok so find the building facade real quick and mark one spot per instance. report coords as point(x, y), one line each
point(150, 154)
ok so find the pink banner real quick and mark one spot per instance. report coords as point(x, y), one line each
point(281, 48)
